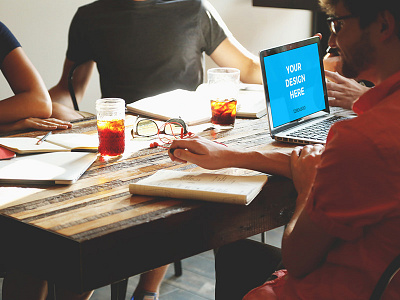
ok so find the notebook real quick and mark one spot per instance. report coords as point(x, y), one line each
point(201, 186)
point(53, 143)
point(193, 107)
point(295, 93)
point(187, 105)
point(46, 168)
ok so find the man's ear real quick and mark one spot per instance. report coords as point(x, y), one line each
point(387, 25)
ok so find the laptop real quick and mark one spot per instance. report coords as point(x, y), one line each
point(46, 168)
point(295, 92)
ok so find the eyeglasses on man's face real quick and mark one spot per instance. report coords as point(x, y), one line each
point(335, 24)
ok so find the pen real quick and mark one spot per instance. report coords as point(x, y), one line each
point(43, 138)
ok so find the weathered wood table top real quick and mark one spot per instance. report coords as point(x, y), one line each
point(94, 232)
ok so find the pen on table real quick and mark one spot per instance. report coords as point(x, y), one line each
point(43, 138)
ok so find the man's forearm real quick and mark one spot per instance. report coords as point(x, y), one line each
point(271, 162)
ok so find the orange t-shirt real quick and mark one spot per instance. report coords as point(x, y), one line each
point(356, 198)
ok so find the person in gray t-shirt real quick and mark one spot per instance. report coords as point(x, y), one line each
point(146, 47)
point(143, 48)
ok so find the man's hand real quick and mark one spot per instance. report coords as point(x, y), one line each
point(304, 162)
point(36, 123)
point(200, 151)
point(343, 91)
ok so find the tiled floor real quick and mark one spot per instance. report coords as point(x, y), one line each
point(197, 281)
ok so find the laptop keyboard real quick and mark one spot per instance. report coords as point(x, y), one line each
point(317, 131)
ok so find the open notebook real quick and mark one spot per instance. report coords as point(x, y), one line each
point(233, 189)
point(54, 143)
point(194, 108)
point(46, 168)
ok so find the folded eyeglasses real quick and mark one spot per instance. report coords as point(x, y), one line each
point(170, 130)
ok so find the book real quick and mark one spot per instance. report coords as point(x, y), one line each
point(46, 168)
point(194, 107)
point(251, 104)
point(233, 189)
point(53, 143)
point(187, 105)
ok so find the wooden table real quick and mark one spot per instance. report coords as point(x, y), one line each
point(94, 232)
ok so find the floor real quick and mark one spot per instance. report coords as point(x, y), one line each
point(197, 281)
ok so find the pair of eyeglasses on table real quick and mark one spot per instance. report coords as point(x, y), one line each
point(166, 131)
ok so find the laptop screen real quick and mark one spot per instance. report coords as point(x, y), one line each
point(294, 81)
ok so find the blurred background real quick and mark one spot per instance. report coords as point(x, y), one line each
point(42, 29)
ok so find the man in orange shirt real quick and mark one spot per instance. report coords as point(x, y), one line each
point(345, 228)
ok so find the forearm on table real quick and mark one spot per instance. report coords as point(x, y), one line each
point(24, 105)
point(271, 162)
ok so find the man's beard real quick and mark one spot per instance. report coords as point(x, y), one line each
point(359, 59)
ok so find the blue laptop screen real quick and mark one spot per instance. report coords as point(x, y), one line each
point(294, 81)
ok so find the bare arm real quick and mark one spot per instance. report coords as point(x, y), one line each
point(304, 245)
point(211, 155)
point(62, 103)
point(31, 98)
point(231, 54)
point(35, 123)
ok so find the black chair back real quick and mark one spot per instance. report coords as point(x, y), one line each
point(386, 278)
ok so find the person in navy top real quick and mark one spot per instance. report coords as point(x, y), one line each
point(30, 106)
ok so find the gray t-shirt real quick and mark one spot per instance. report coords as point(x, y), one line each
point(143, 48)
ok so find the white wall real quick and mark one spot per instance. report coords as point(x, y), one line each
point(42, 28)
point(258, 28)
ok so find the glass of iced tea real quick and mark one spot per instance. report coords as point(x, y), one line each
point(111, 126)
point(223, 87)
point(223, 112)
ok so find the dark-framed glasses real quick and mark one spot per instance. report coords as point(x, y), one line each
point(335, 24)
point(147, 128)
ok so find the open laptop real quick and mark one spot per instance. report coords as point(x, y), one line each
point(46, 168)
point(295, 91)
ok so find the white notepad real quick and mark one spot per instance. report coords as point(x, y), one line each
point(46, 168)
